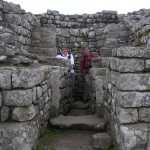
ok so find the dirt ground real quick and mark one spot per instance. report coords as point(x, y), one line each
point(65, 140)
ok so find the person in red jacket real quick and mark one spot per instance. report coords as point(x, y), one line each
point(85, 60)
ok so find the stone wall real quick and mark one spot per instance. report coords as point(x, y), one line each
point(99, 32)
point(33, 87)
point(28, 97)
point(129, 99)
point(15, 33)
point(87, 30)
point(138, 22)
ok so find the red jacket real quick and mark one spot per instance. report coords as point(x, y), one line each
point(85, 61)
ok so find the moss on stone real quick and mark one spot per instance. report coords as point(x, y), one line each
point(50, 135)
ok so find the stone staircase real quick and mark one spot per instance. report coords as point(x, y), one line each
point(79, 108)
point(84, 122)
point(82, 119)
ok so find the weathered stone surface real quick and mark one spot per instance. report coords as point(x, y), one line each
point(114, 77)
point(134, 52)
point(144, 114)
point(55, 85)
point(128, 115)
point(44, 37)
point(12, 8)
point(18, 136)
point(99, 90)
point(79, 122)
point(127, 65)
point(29, 77)
point(24, 113)
point(53, 61)
point(133, 136)
point(39, 92)
point(18, 97)
point(101, 141)
point(5, 79)
point(21, 60)
point(134, 82)
point(4, 113)
point(134, 99)
point(147, 64)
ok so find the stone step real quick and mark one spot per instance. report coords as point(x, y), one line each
point(101, 141)
point(79, 112)
point(79, 105)
point(85, 122)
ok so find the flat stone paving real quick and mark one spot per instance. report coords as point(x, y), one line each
point(70, 140)
point(87, 122)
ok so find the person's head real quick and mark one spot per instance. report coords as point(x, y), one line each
point(65, 51)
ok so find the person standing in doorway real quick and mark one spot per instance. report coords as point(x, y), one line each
point(67, 55)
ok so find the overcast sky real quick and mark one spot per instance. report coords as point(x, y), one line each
point(81, 6)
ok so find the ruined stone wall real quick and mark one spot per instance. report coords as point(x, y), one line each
point(138, 22)
point(28, 97)
point(129, 100)
point(88, 30)
point(15, 33)
point(32, 88)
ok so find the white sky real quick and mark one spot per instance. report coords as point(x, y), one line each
point(81, 6)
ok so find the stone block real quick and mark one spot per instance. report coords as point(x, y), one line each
point(101, 141)
point(134, 99)
point(21, 60)
point(147, 64)
point(144, 114)
point(24, 113)
point(5, 79)
point(53, 61)
point(114, 77)
point(99, 90)
point(127, 65)
point(29, 77)
point(133, 82)
point(127, 115)
point(133, 136)
point(39, 92)
point(18, 97)
point(134, 52)
point(45, 35)
point(13, 19)
point(4, 113)
point(18, 136)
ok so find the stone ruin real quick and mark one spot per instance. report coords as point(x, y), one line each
point(34, 85)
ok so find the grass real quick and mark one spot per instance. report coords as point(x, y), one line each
point(49, 135)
